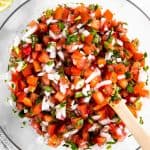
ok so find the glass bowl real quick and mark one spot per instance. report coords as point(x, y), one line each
point(24, 137)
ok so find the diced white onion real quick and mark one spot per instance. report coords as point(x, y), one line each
point(133, 99)
point(40, 74)
point(20, 66)
point(60, 112)
point(103, 83)
point(108, 55)
point(87, 99)
point(48, 68)
point(26, 90)
point(92, 15)
point(46, 104)
point(86, 33)
point(79, 25)
point(106, 135)
point(96, 117)
point(29, 32)
point(94, 127)
point(91, 57)
point(54, 36)
point(70, 133)
point(86, 90)
point(119, 42)
point(51, 20)
point(73, 105)
point(120, 77)
point(105, 121)
point(61, 55)
point(93, 75)
point(142, 76)
point(63, 88)
point(118, 60)
point(54, 77)
point(52, 49)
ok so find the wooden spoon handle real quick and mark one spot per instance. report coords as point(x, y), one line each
point(134, 127)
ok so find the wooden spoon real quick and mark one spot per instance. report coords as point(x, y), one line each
point(132, 124)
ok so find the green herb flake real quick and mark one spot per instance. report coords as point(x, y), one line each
point(63, 104)
point(116, 54)
point(109, 62)
point(111, 142)
point(70, 144)
point(21, 114)
point(50, 63)
point(116, 95)
point(48, 13)
point(141, 120)
point(13, 97)
point(145, 54)
point(61, 25)
point(108, 147)
point(48, 89)
point(38, 101)
point(96, 39)
point(34, 40)
point(127, 74)
point(145, 68)
point(130, 88)
point(82, 37)
point(80, 122)
point(93, 7)
point(72, 38)
point(79, 95)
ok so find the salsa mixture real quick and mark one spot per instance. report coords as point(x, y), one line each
point(67, 66)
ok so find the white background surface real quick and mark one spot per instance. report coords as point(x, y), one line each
point(143, 4)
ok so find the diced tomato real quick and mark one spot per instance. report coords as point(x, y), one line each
point(46, 39)
point(75, 71)
point(43, 27)
point(85, 133)
point(62, 129)
point(108, 14)
point(96, 24)
point(102, 113)
point(58, 14)
point(34, 55)
point(130, 46)
point(55, 28)
point(101, 62)
point(95, 81)
point(120, 68)
point(83, 109)
point(100, 140)
point(43, 57)
point(26, 50)
point(89, 39)
point(54, 141)
point(107, 90)
point(59, 96)
point(138, 56)
point(20, 96)
point(33, 97)
point(22, 85)
point(123, 83)
point(117, 132)
point(32, 80)
point(98, 13)
point(51, 129)
point(89, 49)
point(48, 118)
point(84, 17)
point(27, 70)
point(33, 23)
point(38, 47)
point(45, 79)
point(99, 98)
point(37, 67)
point(36, 126)
point(135, 70)
point(27, 102)
point(37, 109)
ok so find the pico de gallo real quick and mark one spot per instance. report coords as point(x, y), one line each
point(66, 68)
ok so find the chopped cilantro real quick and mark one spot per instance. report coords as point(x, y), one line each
point(38, 101)
point(13, 97)
point(63, 104)
point(108, 147)
point(79, 95)
point(72, 38)
point(130, 88)
point(21, 114)
point(50, 63)
point(61, 25)
point(116, 54)
point(93, 6)
point(116, 95)
point(80, 122)
point(145, 68)
point(82, 37)
point(34, 40)
point(129, 135)
point(141, 120)
point(127, 74)
point(111, 142)
point(145, 54)
point(109, 62)
point(48, 13)
point(48, 89)
point(70, 144)
point(96, 39)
